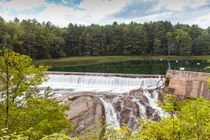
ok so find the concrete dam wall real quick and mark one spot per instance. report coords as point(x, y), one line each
point(192, 84)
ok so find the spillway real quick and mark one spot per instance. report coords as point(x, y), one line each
point(125, 97)
point(100, 83)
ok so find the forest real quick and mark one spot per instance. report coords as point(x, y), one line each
point(45, 40)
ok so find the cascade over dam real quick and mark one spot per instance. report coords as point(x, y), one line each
point(114, 98)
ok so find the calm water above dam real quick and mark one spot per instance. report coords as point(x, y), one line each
point(138, 67)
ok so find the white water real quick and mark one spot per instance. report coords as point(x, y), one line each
point(109, 84)
point(142, 109)
point(153, 102)
point(117, 86)
point(111, 115)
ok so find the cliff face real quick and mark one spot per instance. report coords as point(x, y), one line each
point(192, 84)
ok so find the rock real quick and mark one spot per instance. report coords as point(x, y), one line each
point(117, 106)
point(138, 95)
point(125, 116)
point(132, 106)
point(87, 109)
point(149, 111)
point(86, 112)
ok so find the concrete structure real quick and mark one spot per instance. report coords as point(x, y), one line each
point(193, 84)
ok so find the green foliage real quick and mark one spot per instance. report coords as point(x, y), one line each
point(192, 122)
point(15, 136)
point(43, 116)
point(58, 136)
point(21, 76)
point(167, 81)
point(157, 50)
point(208, 78)
point(169, 104)
point(23, 110)
point(43, 41)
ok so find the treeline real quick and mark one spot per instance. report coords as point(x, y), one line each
point(45, 40)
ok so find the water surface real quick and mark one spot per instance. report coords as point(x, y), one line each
point(138, 67)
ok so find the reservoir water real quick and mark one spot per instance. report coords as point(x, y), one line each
point(138, 67)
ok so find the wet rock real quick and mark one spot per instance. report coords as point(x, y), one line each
point(141, 98)
point(149, 111)
point(125, 116)
point(131, 105)
point(117, 106)
point(109, 96)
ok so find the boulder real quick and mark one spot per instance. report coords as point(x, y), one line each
point(85, 114)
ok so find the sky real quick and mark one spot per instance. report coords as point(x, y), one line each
point(102, 12)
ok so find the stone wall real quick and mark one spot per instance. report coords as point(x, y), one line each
point(193, 84)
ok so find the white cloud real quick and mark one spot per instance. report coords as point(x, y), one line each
point(93, 11)
point(64, 1)
point(52, 12)
point(98, 9)
point(197, 3)
point(57, 14)
point(178, 5)
point(202, 21)
point(153, 17)
point(20, 5)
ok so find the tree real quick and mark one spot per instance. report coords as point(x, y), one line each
point(170, 43)
point(21, 105)
point(156, 49)
point(203, 41)
point(19, 79)
point(183, 42)
point(194, 33)
point(43, 41)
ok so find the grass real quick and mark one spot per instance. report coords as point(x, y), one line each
point(86, 60)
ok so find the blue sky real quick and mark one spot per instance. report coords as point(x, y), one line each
point(86, 12)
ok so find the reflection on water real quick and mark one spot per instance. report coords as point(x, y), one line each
point(138, 67)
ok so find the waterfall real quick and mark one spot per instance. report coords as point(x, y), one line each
point(109, 84)
point(111, 115)
point(142, 109)
point(125, 99)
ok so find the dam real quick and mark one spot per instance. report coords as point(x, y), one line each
point(119, 98)
point(101, 82)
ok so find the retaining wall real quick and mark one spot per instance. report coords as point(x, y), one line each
point(193, 84)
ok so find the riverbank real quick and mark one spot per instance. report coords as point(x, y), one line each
point(87, 60)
